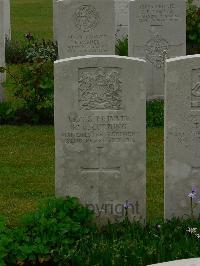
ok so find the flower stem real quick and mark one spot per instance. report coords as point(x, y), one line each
point(191, 204)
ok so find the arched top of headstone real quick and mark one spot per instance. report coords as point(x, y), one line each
point(185, 262)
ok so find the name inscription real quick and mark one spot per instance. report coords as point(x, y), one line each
point(88, 43)
point(157, 13)
point(99, 129)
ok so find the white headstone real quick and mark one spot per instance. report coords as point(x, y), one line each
point(157, 29)
point(186, 262)
point(84, 27)
point(7, 25)
point(121, 19)
point(100, 133)
point(2, 48)
point(197, 3)
point(182, 134)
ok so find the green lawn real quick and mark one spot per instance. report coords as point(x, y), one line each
point(35, 16)
point(27, 169)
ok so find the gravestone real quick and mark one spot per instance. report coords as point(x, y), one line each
point(182, 134)
point(84, 27)
point(121, 19)
point(157, 29)
point(100, 131)
point(186, 262)
point(7, 26)
point(197, 3)
point(2, 49)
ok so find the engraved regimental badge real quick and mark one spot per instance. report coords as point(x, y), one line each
point(86, 18)
point(156, 50)
point(100, 89)
point(195, 93)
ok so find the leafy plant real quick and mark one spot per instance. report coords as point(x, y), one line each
point(30, 50)
point(62, 232)
point(193, 23)
point(138, 245)
point(15, 52)
point(7, 114)
point(34, 86)
point(50, 233)
point(4, 241)
point(122, 47)
point(45, 50)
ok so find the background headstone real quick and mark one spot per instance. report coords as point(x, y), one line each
point(197, 3)
point(84, 27)
point(182, 134)
point(157, 29)
point(121, 18)
point(2, 48)
point(7, 23)
point(100, 132)
point(186, 262)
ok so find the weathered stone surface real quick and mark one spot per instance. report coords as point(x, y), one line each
point(7, 25)
point(197, 3)
point(121, 18)
point(2, 48)
point(157, 28)
point(100, 132)
point(182, 134)
point(186, 262)
point(84, 27)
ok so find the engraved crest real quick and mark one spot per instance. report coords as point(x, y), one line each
point(195, 90)
point(100, 88)
point(86, 18)
point(156, 51)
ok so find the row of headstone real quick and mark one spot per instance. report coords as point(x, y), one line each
point(100, 132)
point(157, 30)
point(100, 106)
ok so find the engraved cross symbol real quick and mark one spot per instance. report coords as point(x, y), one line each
point(100, 169)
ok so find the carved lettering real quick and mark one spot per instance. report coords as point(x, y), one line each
point(157, 13)
point(99, 129)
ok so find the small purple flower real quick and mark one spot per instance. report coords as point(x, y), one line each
point(193, 193)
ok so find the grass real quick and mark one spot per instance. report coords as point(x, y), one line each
point(27, 170)
point(35, 16)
